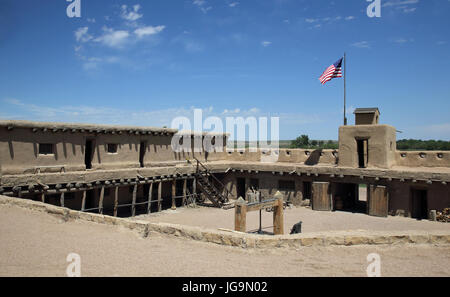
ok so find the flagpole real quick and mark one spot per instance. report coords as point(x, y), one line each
point(345, 91)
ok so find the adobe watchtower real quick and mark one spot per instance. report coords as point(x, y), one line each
point(367, 143)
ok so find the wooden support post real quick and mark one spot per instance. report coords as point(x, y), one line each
point(194, 187)
point(100, 202)
point(83, 201)
point(133, 203)
point(159, 195)
point(62, 199)
point(116, 200)
point(278, 218)
point(184, 191)
point(240, 216)
point(174, 193)
point(43, 197)
point(150, 193)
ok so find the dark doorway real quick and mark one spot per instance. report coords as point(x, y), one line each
point(90, 200)
point(88, 153)
point(346, 198)
point(179, 193)
point(254, 184)
point(240, 187)
point(363, 153)
point(306, 190)
point(142, 151)
point(419, 204)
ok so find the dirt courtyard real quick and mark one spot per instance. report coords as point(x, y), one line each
point(37, 244)
point(312, 221)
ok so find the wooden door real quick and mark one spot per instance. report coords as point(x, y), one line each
point(377, 201)
point(321, 196)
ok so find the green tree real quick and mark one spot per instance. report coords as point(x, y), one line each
point(300, 142)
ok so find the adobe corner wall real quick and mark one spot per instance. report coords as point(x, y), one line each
point(381, 145)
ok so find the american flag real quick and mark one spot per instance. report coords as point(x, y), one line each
point(333, 71)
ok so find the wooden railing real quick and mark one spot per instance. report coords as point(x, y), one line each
point(208, 172)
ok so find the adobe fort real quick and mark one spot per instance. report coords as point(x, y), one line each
point(127, 171)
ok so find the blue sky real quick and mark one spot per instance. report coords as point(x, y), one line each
point(146, 62)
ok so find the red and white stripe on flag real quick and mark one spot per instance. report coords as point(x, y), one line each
point(331, 72)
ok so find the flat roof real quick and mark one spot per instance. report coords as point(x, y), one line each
point(366, 110)
point(77, 127)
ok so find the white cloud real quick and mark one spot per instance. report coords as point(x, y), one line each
point(311, 20)
point(319, 22)
point(402, 5)
point(202, 5)
point(94, 114)
point(206, 9)
point(189, 44)
point(139, 117)
point(148, 30)
point(234, 4)
point(266, 43)
point(361, 44)
point(403, 40)
point(127, 34)
point(81, 34)
point(199, 2)
point(233, 111)
point(108, 115)
point(399, 3)
point(400, 40)
point(112, 38)
point(193, 46)
point(131, 15)
point(408, 10)
point(93, 63)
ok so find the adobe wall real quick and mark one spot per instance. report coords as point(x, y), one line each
point(381, 145)
point(400, 197)
point(438, 194)
point(19, 151)
point(422, 158)
point(306, 156)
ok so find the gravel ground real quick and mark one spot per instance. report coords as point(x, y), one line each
point(313, 221)
point(37, 244)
